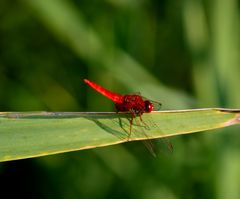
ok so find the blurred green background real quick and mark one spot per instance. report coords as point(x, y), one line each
point(185, 54)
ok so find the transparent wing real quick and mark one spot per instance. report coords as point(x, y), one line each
point(156, 105)
point(166, 145)
point(150, 146)
point(135, 93)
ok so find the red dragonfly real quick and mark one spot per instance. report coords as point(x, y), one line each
point(135, 104)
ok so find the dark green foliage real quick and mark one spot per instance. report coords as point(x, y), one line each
point(191, 47)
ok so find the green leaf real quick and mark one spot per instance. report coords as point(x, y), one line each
point(33, 134)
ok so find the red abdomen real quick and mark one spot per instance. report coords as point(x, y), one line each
point(117, 98)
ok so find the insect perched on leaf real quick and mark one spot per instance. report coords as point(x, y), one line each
point(135, 104)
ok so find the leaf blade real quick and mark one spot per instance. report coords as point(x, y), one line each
point(34, 134)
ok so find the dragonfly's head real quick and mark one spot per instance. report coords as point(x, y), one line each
point(148, 106)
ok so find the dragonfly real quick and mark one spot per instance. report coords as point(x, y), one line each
point(135, 104)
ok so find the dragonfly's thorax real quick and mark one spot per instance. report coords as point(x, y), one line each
point(135, 103)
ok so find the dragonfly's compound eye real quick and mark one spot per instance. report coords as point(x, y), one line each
point(148, 106)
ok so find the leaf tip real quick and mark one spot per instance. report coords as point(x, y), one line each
point(235, 120)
